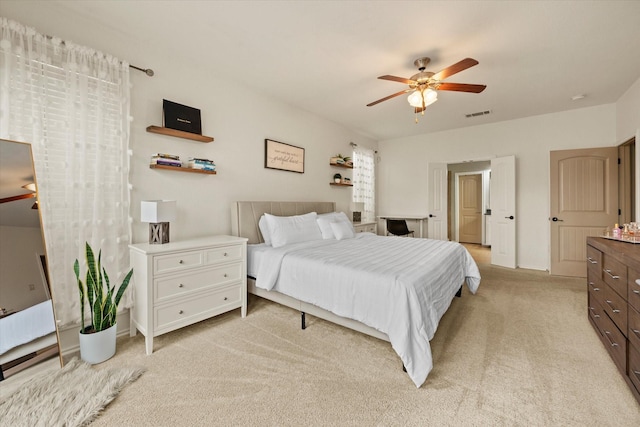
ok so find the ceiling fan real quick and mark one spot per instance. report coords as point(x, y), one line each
point(31, 187)
point(424, 84)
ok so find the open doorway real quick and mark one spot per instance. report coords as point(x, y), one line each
point(468, 202)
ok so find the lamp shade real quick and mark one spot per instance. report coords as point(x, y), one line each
point(357, 206)
point(156, 211)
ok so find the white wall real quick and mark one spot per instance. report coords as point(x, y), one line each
point(237, 117)
point(628, 126)
point(402, 174)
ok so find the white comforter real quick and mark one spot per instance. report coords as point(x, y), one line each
point(399, 286)
point(26, 325)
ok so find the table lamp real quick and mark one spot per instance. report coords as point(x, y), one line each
point(356, 209)
point(158, 213)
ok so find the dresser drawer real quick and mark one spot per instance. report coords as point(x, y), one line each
point(633, 288)
point(187, 283)
point(187, 311)
point(634, 366)
point(594, 261)
point(596, 288)
point(634, 327)
point(615, 275)
point(224, 254)
point(596, 313)
point(616, 307)
point(615, 343)
point(177, 262)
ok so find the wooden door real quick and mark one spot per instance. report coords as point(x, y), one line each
point(584, 191)
point(470, 208)
point(503, 211)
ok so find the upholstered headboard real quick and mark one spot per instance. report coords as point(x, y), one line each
point(245, 215)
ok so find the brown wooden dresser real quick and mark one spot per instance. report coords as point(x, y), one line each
point(613, 280)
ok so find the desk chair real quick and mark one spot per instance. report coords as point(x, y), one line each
point(398, 227)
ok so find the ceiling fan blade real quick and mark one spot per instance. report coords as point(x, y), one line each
point(398, 79)
point(20, 197)
point(455, 68)
point(461, 87)
point(389, 97)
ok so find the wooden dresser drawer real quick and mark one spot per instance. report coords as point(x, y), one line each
point(188, 283)
point(594, 261)
point(634, 327)
point(596, 288)
point(615, 343)
point(634, 366)
point(188, 311)
point(177, 262)
point(220, 255)
point(615, 275)
point(633, 288)
point(596, 313)
point(616, 307)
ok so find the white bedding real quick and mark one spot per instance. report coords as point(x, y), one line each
point(26, 325)
point(399, 286)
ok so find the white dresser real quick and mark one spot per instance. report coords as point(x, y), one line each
point(179, 283)
point(366, 226)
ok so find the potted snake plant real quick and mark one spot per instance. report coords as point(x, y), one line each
point(98, 339)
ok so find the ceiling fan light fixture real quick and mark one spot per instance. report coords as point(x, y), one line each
point(415, 99)
point(428, 96)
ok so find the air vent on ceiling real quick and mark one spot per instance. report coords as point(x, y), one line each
point(479, 113)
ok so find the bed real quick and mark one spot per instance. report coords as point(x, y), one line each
point(393, 288)
point(27, 337)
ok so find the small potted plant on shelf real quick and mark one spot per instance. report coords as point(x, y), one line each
point(98, 340)
point(337, 178)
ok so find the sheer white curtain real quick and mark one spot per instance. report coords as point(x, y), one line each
point(364, 181)
point(72, 104)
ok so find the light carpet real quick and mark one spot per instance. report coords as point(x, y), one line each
point(71, 396)
point(519, 353)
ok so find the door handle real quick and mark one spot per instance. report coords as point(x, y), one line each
point(509, 217)
point(555, 219)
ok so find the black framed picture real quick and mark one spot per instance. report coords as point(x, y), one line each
point(281, 156)
point(181, 117)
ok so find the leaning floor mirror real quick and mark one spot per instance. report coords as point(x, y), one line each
point(28, 333)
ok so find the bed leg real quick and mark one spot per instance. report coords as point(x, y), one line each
point(303, 323)
point(459, 293)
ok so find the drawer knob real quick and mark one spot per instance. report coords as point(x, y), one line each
point(225, 275)
point(591, 260)
point(611, 305)
point(611, 275)
point(181, 285)
point(613, 344)
point(181, 312)
point(592, 284)
point(180, 262)
point(225, 254)
point(225, 298)
point(637, 332)
point(635, 291)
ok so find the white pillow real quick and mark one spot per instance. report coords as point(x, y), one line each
point(324, 222)
point(342, 230)
point(293, 229)
point(264, 229)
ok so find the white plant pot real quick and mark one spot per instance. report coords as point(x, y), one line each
point(99, 346)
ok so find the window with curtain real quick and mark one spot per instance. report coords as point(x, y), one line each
point(364, 181)
point(72, 104)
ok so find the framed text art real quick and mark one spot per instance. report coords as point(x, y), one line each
point(285, 157)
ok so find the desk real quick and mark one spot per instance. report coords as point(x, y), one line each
point(420, 219)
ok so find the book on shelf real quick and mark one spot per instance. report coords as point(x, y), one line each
point(166, 163)
point(203, 167)
point(166, 156)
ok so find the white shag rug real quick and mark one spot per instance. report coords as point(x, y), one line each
point(72, 396)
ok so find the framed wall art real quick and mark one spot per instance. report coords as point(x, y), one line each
point(281, 156)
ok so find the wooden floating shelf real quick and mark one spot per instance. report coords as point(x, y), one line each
point(340, 185)
point(181, 169)
point(179, 134)
point(341, 165)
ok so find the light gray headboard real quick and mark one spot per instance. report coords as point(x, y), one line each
point(245, 215)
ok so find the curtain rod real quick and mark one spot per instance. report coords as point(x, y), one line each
point(148, 71)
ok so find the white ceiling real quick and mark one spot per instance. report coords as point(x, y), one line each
point(325, 56)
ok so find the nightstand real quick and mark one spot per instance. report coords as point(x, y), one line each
point(180, 283)
point(368, 226)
